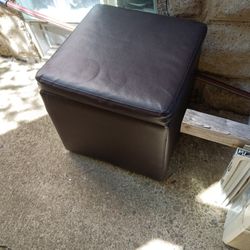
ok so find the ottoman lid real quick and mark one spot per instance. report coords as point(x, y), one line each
point(126, 59)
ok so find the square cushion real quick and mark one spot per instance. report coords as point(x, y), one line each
point(126, 61)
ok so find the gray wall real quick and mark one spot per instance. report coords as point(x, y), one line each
point(226, 51)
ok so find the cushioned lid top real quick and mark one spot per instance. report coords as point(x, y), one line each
point(128, 58)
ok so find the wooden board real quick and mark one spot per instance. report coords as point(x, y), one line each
point(216, 129)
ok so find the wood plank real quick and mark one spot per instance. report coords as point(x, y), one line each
point(216, 129)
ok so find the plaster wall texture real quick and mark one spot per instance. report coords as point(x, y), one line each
point(184, 8)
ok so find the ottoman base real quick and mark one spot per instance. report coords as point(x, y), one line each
point(134, 144)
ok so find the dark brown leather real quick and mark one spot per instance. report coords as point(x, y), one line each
point(126, 59)
point(117, 89)
point(137, 145)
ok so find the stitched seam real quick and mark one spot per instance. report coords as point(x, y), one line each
point(43, 80)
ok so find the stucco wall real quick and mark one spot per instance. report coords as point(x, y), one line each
point(226, 50)
point(14, 38)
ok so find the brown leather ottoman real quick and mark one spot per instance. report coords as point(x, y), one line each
point(118, 87)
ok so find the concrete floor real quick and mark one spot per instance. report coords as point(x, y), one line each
point(53, 199)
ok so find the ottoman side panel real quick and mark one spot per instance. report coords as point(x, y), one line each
point(133, 144)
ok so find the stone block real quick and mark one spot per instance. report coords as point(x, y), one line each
point(224, 100)
point(226, 50)
point(221, 99)
point(5, 49)
point(161, 7)
point(236, 10)
point(184, 8)
point(14, 39)
point(243, 84)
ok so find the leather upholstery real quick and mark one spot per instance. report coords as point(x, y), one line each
point(124, 141)
point(126, 59)
point(117, 89)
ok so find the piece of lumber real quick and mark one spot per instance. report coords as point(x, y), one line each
point(216, 129)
